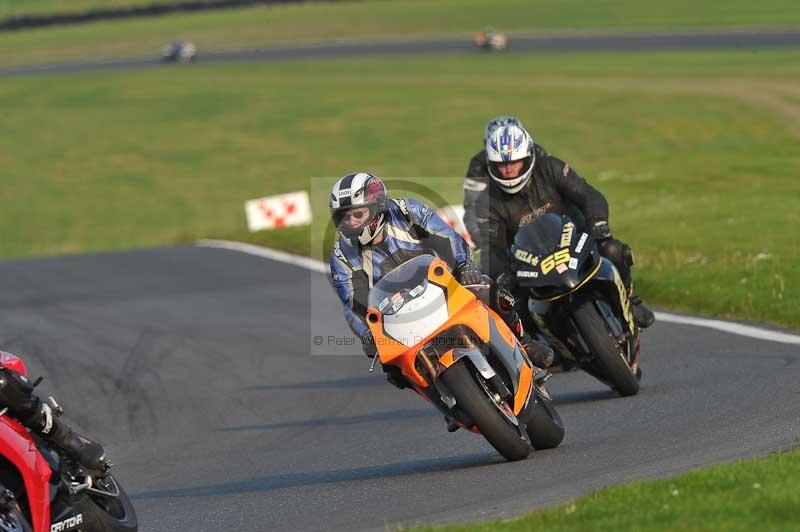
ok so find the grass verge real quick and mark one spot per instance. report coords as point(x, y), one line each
point(696, 153)
point(311, 22)
point(759, 494)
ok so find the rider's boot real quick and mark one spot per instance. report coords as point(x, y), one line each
point(86, 452)
point(541, 355)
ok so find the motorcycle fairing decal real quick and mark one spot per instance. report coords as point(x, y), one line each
point(67, 524)
point(581, 242)
point(558, 258)
point(624, 301)
point(526, 257)
point(566, 235)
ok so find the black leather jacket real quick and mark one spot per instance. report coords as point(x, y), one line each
point(554, 187)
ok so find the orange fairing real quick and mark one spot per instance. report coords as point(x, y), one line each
point(462, 308)
point(503, 329)
point(461, 303)
point(524, 388)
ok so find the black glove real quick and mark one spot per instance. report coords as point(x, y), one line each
point(600, 230)
point(15, 390)
point(368, 344)
point(467, 273)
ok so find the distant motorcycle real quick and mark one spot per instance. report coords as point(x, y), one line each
point(490, 40)
point(458, 354)
point(578, 300)
point(42, 491)
point(179, 52)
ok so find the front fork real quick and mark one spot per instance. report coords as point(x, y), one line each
point(441, 397)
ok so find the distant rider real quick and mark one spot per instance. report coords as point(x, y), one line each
point(16, 393)
point(527, 182)
point(377, 234)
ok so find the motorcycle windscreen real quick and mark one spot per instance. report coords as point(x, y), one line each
point(412, 307)
point(542, 235)
point(400, 285)
point(418, 318)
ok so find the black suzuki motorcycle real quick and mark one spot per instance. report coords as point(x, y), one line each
point(578, 300)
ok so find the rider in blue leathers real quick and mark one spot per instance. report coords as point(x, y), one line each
point(377, 234)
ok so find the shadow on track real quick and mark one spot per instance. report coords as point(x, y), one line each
point(353, 420)
point(352, 382)
point(294, 480)
point(568, 398)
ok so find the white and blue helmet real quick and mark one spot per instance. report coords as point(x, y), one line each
point(355, 190)
point(498, 122)
point(508, 144)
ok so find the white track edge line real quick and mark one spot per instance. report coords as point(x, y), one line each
point(321, 267)
point(731, 327)
point(267, 253)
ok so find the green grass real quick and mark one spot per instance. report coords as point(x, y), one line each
point(759, 494)
point(259, 26)
point(695, 152)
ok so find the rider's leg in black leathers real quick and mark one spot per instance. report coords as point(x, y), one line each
point(16, 393)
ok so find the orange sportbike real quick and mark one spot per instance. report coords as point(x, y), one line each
point(461, 356)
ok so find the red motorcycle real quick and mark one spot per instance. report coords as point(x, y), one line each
point(42, 491)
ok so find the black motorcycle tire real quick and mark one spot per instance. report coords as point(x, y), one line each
point(104, 514)
point(473, 400)
point(604, 347)
point(544, 425)
point(13, 521)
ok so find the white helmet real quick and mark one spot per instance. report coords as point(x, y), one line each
point(498, 122)
point(351, 193)
point(508, 144)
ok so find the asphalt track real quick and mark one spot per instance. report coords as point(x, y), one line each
point(622, 42)
point(193, 366)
